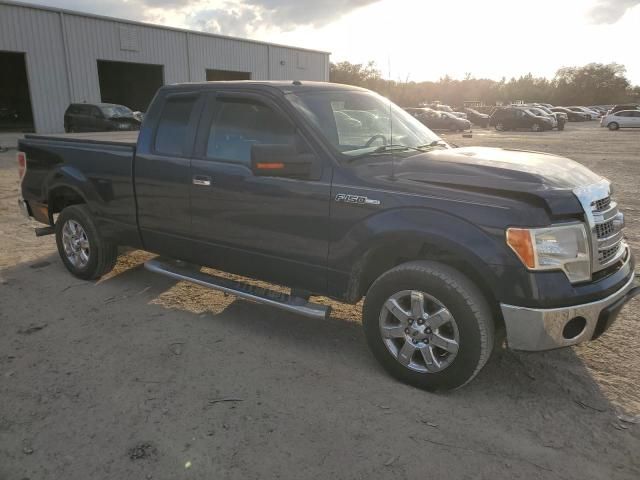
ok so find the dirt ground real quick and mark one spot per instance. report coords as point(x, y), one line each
point(139, 377)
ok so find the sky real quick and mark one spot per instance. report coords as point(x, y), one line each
point(415, 39)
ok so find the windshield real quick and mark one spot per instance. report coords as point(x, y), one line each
point(357, 123)
point(117, 111)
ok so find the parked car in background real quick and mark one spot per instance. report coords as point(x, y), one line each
point(571, 115)
point(99, 117)
point(561, 117)
point(590, 114)
point(537, 111)
point(619, 108)
point(621, 119)
point(437, 120)
point(477, 118)
point(446, 108)
point(515, 118)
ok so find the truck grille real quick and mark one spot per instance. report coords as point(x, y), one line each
point(605, 223)
point(605, 255)
point(605, 229)
point(601, 204)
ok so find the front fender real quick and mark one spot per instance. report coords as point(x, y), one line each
point(388, 238)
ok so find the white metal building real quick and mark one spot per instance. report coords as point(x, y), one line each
point(51, 57)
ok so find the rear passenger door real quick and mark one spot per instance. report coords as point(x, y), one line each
point(274, 228)
point(163, 176)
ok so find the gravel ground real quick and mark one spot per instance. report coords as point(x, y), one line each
point(138, 376)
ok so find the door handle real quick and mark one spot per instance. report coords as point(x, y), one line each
point(201, 180)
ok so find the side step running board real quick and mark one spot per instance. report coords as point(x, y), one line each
point(190, 273)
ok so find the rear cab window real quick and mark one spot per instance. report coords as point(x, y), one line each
point(175, 124)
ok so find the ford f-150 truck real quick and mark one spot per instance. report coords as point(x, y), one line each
point(333, 191)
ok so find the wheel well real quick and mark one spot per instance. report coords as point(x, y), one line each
point(386, 257)
point(62, 197)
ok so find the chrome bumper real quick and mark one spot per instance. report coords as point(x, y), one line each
point(536, 329)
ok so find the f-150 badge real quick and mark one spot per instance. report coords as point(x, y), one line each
point(357, 199)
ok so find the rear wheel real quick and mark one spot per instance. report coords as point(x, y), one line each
point(500, 127)
point(428, 325)
point(613, 126)
point(83, 251)
point(536, 127)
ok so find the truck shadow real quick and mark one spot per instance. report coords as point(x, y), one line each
point(173, 347)
point(541, 383)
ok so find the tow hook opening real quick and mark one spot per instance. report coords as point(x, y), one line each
point(574, 327)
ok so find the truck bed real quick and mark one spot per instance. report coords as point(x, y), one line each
point(128, 138)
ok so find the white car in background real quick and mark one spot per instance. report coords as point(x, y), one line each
point(621, 119)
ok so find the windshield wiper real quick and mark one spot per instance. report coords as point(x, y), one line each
point(386, 149)
point(435, 143)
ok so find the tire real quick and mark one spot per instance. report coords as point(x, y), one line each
point(500, 127)
point(536, 127)
point(560, 127)
point(88, 263)
point(613, 126)
point(442, 287)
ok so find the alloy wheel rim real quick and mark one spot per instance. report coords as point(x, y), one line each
point(419, 331)
point(76, 244)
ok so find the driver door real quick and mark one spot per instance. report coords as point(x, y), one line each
point(268, 227)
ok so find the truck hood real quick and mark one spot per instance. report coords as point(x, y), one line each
point(496, 168)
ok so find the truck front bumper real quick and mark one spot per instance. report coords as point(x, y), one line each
point(535, 329)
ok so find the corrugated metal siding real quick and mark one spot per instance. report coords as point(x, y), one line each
point(57, 77)
point(38, 34)
point(284, 64)
point(92, 39)
point(223, 54)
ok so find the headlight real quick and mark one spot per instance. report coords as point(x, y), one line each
point(560, 247)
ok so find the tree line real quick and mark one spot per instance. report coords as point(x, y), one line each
point(591, 84)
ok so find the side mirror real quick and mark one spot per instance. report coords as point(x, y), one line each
point(280, 161)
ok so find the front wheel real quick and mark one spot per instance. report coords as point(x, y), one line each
point(536, 127)
point(428, 325)
point(81, 247)
point(613, 126)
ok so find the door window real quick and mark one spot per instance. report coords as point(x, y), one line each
point(238, 124)
point(173, 125)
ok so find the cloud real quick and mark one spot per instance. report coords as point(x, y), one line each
point(610, 11)
point(235, 20)
point(290, 13)
point(242, 17)
point(229, 17)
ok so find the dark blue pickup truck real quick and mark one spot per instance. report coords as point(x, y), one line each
point(331, 190)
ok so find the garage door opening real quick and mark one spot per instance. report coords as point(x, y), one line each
point(130, 84)
point(15, 100)
point(220, 75)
